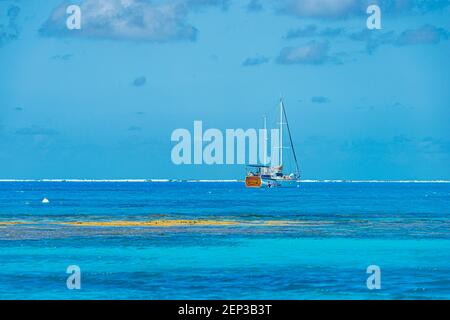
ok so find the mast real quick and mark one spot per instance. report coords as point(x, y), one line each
point(265, 142)
point(281, 132)
point(291, 143)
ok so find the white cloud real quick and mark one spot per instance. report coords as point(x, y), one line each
point(341, 9)
point(313, 52)
point(321, 8)
point(137, 20)
point(426, 34)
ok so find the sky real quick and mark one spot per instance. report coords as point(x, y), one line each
point(102, 102)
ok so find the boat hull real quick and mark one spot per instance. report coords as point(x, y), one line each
point(253, 182)
point(283, 183)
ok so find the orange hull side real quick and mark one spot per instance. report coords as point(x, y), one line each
point(253, 182)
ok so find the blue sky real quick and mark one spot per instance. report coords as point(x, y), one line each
point(102, 102)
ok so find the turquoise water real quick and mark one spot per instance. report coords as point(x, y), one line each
point(327, 235)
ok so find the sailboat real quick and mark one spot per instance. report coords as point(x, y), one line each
point(273, 176)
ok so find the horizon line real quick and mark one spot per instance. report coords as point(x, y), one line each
point(223, 180)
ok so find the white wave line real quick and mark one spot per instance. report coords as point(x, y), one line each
point(217, 180)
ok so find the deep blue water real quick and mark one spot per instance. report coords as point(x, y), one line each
point(330, 233)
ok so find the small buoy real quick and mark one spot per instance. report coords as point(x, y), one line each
point(45, 200)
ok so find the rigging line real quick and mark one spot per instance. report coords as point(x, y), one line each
point(290, 140)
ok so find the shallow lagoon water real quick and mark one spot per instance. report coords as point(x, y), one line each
point(312, 242)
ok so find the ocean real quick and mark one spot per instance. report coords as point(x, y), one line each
point(219, 240)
